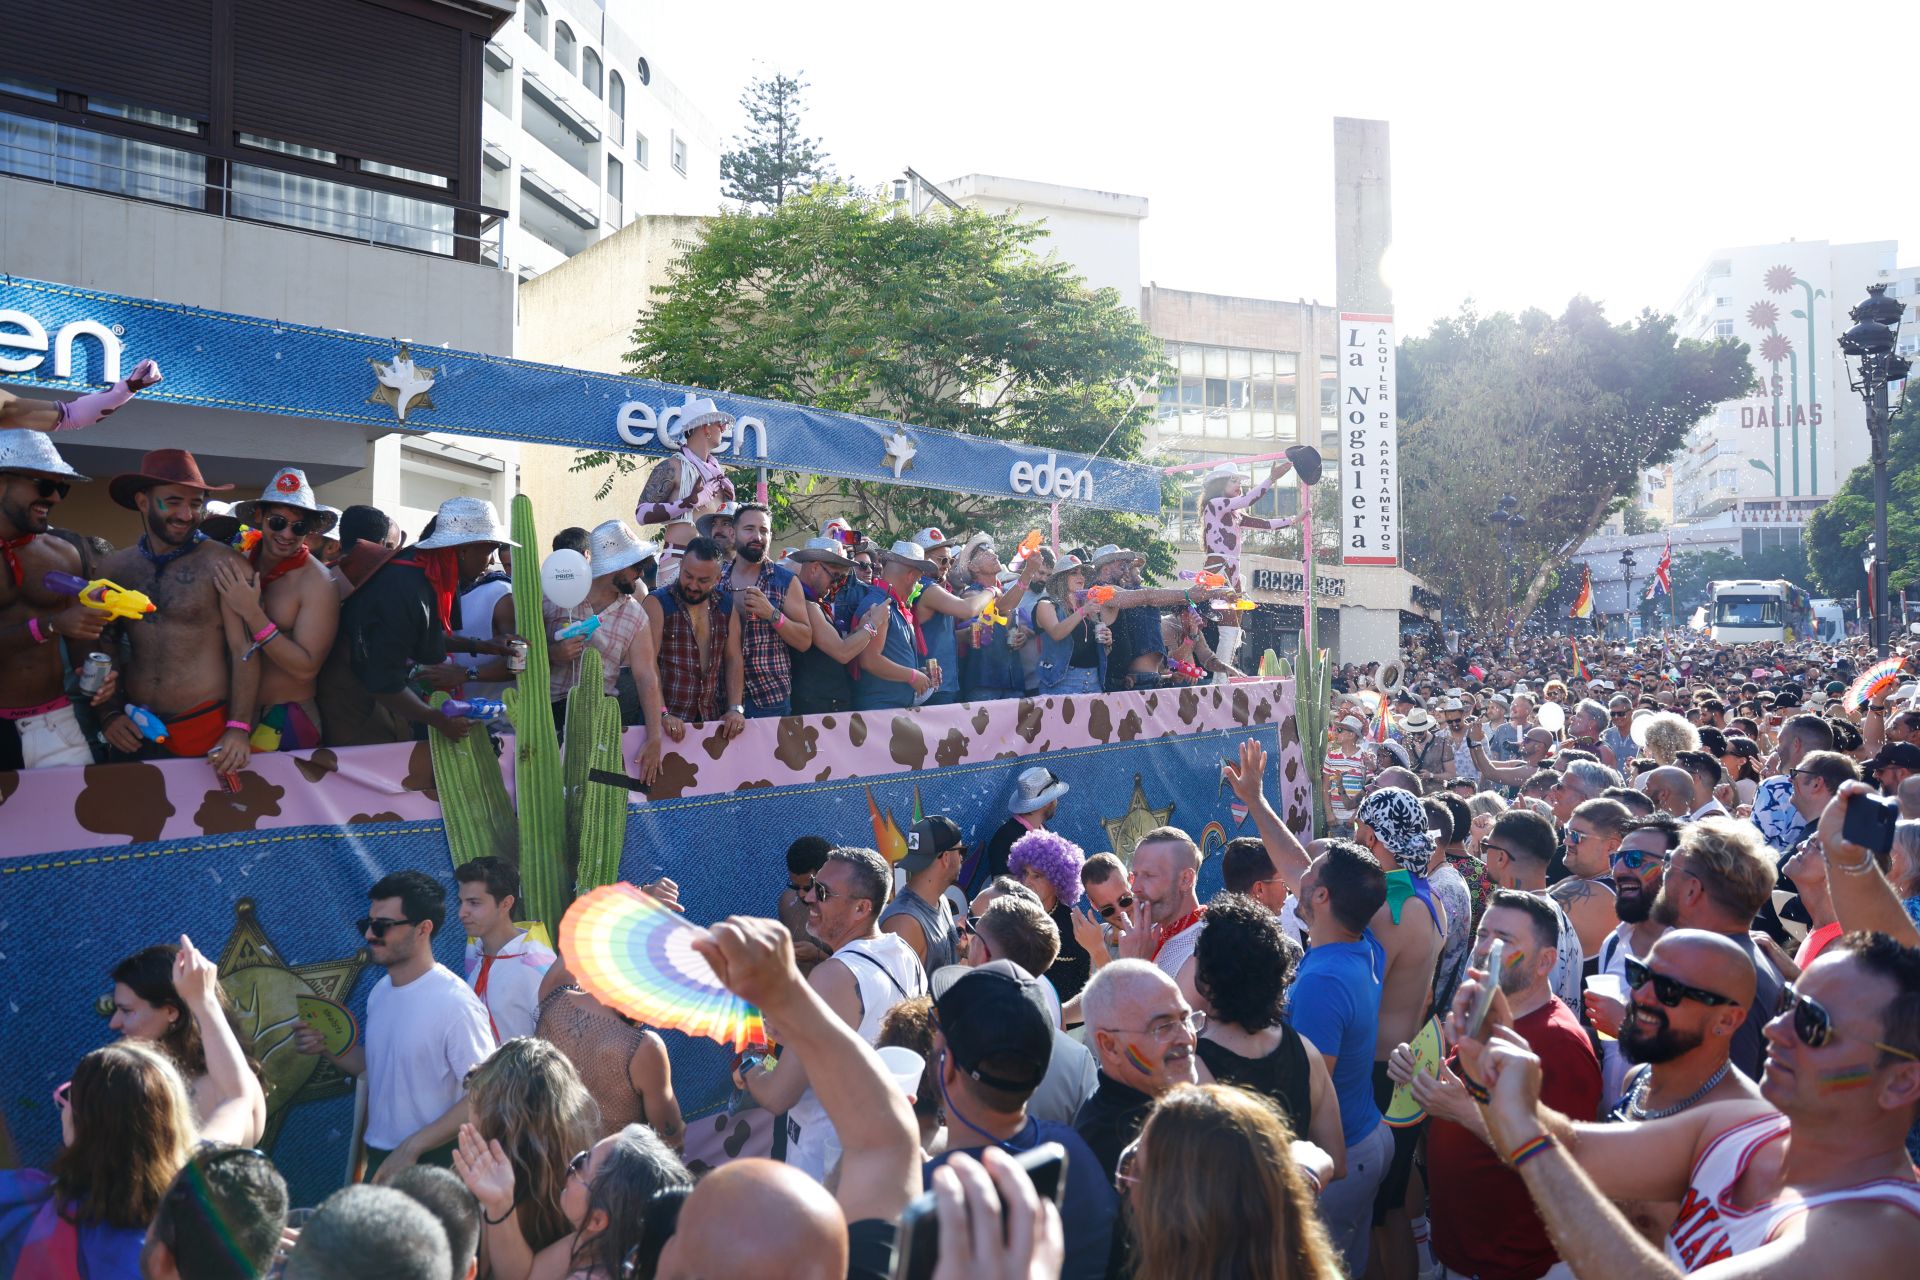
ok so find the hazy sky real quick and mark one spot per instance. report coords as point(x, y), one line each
point(1539, 150)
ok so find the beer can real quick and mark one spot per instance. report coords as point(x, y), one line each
point(93, 672)
point(516, 655)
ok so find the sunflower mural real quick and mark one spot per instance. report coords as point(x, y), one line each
point(1784, 280)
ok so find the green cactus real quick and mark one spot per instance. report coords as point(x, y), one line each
point(603, 819)
point(538, 783)
point(473, 797)
point(1310, 693)
point(577, 748)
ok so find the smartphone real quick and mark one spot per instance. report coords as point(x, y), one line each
point(1477, 1018)
point(919, 1244)
point(1869, 823)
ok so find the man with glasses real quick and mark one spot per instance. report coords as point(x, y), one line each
point(1617, 738)
point(1110, 893)
point(1143, 1032)
point(1536, 744)
point(1810, 1179)
point(1781, 823)
point(919, 914)
point(425, 1030)
point(821, 683)
point(1593, 831)
point(1638, 865)
point(1008, 923)
point(1503, 742)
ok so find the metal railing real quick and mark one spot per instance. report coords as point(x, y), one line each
point(70, 168)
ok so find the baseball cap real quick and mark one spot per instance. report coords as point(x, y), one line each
point(996, 1022)
point(1901, 755)
point(932, 836)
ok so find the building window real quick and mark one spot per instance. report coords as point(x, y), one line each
point(27, 89)
point(1723, 328)
point(1719, 267)
point(404, 174)
point(679, 155)
point(565, 47)
point(496, 86)
point(537, 22)
point(640, 149)
point(553, 220)
point(616, 190)
point(1329, 388)
point(143, 115)
point(259, 143)
point(555, 130)
point(1723, 302)
point(46, 152)
point(496, 172)
point(590, 71)
point(617, 105)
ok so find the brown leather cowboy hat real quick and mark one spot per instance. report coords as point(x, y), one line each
point(162, 466)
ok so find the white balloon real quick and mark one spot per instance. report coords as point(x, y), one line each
point(1552, 717)
point(564, 578)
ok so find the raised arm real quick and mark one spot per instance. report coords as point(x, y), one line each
point(1047, 617)
point(869, 634)
point(934, 599)
point(1248, 782)
point(238, 1110)
point(1511, 774)
point(1863, 899)
point(17, 412)
point(797, 630)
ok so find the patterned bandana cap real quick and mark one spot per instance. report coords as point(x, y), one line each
point(1397, 817)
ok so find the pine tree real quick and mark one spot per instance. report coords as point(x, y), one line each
point(773, 160)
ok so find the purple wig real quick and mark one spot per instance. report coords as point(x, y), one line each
point(1053, 856)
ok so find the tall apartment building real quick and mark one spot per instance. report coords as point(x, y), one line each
point(585, 131)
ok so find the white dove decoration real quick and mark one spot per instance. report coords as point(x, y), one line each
point(900, 451)
point(403, 384)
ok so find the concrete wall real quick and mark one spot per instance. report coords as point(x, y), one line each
point(1260, 324)
point(1096, 232)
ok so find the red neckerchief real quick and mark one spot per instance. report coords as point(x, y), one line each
point(919, 640)
point(292, 562)
point(443, 575)
point(8, 548)
point(1185, 922)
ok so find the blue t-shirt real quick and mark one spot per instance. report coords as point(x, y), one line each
point(1335, 1003)
point(1088, 1203)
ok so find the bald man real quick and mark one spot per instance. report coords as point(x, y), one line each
point(1671, 790)
point(1395, 776)
point(757, 1218)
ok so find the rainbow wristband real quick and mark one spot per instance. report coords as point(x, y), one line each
point(1528, 1150)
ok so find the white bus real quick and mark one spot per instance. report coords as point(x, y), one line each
point(1748, 611)
point(1829, 621)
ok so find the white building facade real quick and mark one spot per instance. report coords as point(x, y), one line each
point(585, 131)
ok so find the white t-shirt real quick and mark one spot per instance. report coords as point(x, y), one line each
point(512, 993)
point(476, 620)
point(421, 1040)
point(1177, 950)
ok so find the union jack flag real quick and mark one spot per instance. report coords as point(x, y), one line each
point(1663, 572)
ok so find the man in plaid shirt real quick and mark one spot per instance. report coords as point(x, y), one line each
point(770, 612)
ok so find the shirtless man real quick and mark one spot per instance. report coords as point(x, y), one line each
point(287, 601)
point(43, 634)
point(186, 663)
point(82, 411)
point(690, 483)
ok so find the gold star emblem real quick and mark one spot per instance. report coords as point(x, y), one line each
point(1125, 831)
point(402, 384)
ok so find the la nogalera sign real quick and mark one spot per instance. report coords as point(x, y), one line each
point(60, 337)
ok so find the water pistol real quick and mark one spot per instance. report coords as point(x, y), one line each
point(580, 630)
point(1028, 545)
point(1185, 669)
point(993, 616)
point(1210, 580)
point(1103, 593)
point(474, 708)
point(107, 596)
point(151, 726)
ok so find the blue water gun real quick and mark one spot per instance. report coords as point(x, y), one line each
point(474, 708)
point(582, 629)
point(151, 726)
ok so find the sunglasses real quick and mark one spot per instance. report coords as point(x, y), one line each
point(1668, 991)
point(62, 1096)
point(817, 890)
point(1814, 1025)
point(1574, 838)
point(48, 488)
point(378, 927)
point(279, 523)
point(578, 1164)
point(1112, 909)
point(1634, 859)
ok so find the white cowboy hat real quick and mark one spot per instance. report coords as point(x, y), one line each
point(30, 453)
point(1417, 721)
point(971, 545)
point(613, 546)
point(288, 488)
point(1352, 724)
point(930, 538)
point(909, 553)
point(1108, 554)
point(462, 521)
point(1222, 474)
point(822, 551)
point(1035, 788)
point(704, 525)
point(700, 412)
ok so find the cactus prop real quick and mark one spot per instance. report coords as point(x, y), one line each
point(473, 797)
point(603, 808)
point(1310, 693)
point(538, 785)
point(577, 748)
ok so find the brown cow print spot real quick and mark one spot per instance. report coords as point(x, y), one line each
point(1290, 767)
point(1067, 706)
point(754, 785)
point(1241, 711)
point(319, 764)
point(677, 773)
point(1032, 720)
point(1189, 705)
point(980, 719)
point(909, 744)
point(824, 774)
point(9, 783)
point(1100, 721)
point(857, 729)
point(123, 800)
point(1130, 726)
point(363, 819)
point(798, 743)
point(1007, 755)
point(953, 748)
point(1153, 704)
point(714, 743)
point(420, 771)
point(828, 721)
point(1263, 711)
point(1289, 732)
point(225, 811)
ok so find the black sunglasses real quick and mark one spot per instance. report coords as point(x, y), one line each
point(1814, 1025)
point(47, 488)
point(1634, 859)
point(1668, 991)
point(378, 928)
point(818, 889)
point(279, 523)
point(1113, 908)
point(579, 1162)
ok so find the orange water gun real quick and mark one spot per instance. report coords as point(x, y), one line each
point(1102, 594)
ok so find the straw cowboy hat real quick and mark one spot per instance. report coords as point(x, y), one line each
point(613, 546)
point(911, 554)
point(828, 551)
point(162, 466)
point(1108, 554)
point(1418, 721)
point(288, 488)
point(1068, 563)
point(31, 453)
point(462, 521)
point(1221, 476)
point(1035, 788)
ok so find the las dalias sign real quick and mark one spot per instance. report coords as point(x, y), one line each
point(62, 338)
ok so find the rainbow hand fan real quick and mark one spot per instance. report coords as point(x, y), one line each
point(1877, 679)
point(636, 955)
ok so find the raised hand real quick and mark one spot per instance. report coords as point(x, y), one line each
point(194, 976)
point(484, 1167)
point(1249, 778)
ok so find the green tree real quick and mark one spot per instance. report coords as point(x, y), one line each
point(1562, 413)
point(1636, 521)
point(774, 160)
point(953, 320)
point(1839, 531)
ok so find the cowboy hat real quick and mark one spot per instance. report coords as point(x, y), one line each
point(910, 554)
point(704, 525)
point(613, 546)
point(1068, 563)
point(1035, 788)
point(462, 521)
point(1418, 721)
point(1108, 554)
point(162, 466)
point(930, 538)
point(30, 453)
point(288, 488)
point(829, 551)
point(699, 411)
point(1307, 463)
point(1223, 474)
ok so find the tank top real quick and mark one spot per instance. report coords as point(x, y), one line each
point(935, 926)
point(819, 682)
point(1710, 1227)
point(476, 620)
point(1284, 1075)
point(942, 644)
point(887, 973)
point(599, 1043)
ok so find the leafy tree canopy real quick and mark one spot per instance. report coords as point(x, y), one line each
point(952, 320)
point(1562, 413)
point(774, 160)
point(1839, 531)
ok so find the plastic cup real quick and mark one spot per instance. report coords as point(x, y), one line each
point(1613, 987)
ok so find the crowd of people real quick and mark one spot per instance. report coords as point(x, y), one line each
point(1600, 964)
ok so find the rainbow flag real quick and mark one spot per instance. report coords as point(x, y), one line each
point(1583, 606)
point(1579, 667)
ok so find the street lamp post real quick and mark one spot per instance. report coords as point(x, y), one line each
point(1871, 341)
point(1869, 558)
point(1627, 566)
point(1507, 522)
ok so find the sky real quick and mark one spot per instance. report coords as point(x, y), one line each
point(1539, 150)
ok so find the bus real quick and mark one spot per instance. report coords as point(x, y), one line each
point(1829, 621)
point(1747, 611)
